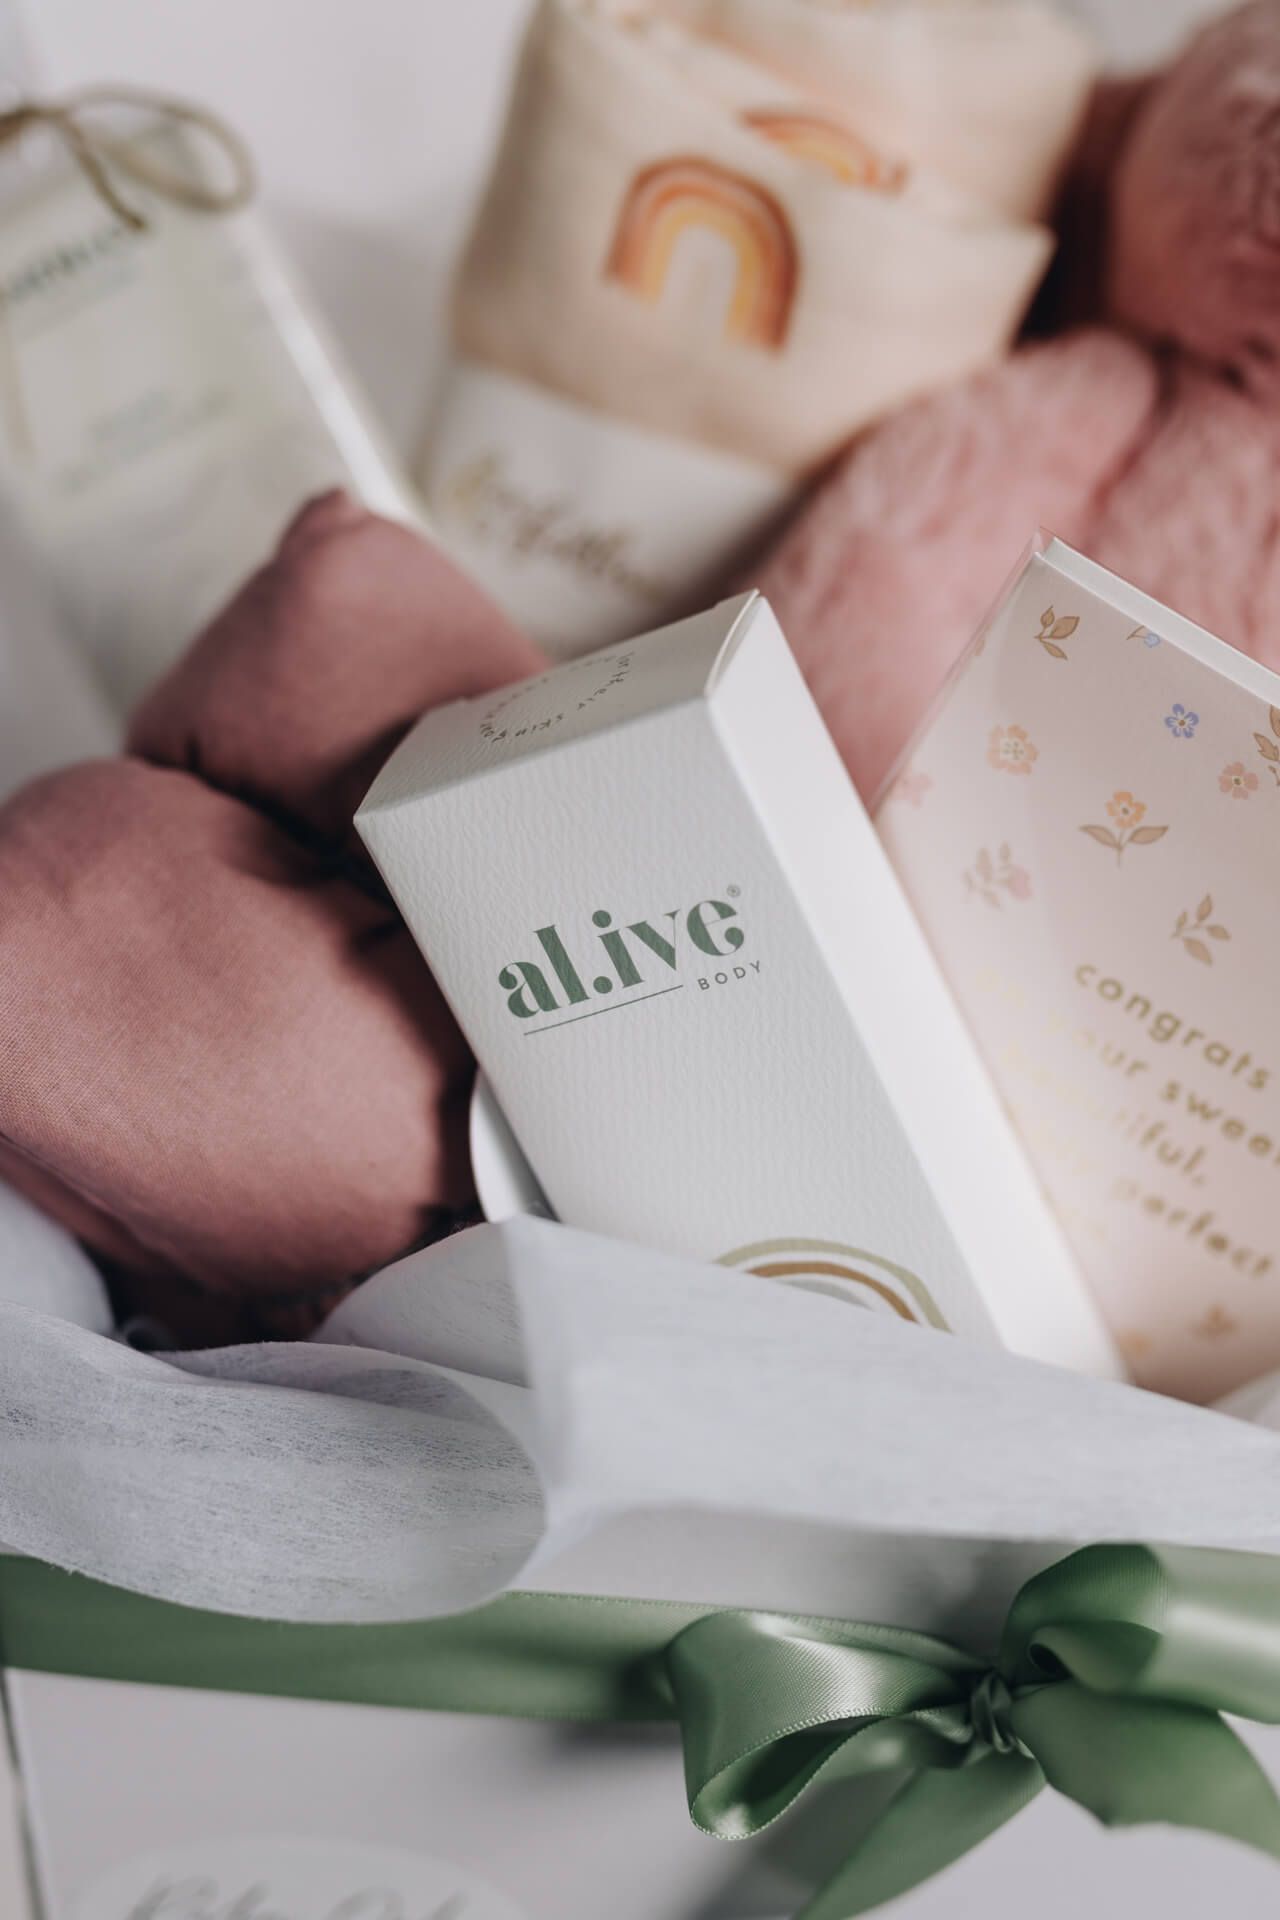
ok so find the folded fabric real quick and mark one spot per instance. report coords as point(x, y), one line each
point(698, 271)
point(894, 563)
point(986, 93)
point(221, 1057)
point(295, 694)
point(655, 242)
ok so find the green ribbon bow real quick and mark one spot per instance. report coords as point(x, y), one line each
point(1114, 1671)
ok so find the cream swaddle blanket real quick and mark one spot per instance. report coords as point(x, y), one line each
point(712, 249)
point(986, 93)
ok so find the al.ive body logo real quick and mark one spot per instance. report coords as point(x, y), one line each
point(699, 947)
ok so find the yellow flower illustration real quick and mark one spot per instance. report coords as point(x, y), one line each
point(1011, 750)
point(1125, 810)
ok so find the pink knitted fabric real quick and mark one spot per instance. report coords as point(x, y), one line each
point(1153, 442)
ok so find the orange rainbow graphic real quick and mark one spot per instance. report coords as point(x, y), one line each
point(665, 201)
point(826, 143)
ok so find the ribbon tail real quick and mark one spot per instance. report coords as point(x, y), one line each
point(1138, 1762)
point(934, 1821)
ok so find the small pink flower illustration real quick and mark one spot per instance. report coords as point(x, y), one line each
point(1018, 881)
point(912, 788)
point(1011, 750)
point(1236, 781)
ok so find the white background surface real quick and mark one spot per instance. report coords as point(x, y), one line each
point(371, 120)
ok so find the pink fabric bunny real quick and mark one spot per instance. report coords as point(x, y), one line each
point(1151, 440)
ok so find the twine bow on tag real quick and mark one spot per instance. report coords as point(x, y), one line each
point(105, 157)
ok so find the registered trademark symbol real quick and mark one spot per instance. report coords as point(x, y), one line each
point(733, 892)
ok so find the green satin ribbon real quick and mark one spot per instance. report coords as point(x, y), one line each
point(1114, 1671)
point(1115, 1668)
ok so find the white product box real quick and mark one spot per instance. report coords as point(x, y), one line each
point(664, 831)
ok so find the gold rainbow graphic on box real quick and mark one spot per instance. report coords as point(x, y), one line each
point(674, 197)
point(850, 1274)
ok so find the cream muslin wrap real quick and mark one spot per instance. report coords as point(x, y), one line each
point(987, 93)
point(626, 147)
point(702, 264)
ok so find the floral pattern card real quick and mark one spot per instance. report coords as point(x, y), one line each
point(1088, 827)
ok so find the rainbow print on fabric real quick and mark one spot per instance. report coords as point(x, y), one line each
point(827, 143)
point(669, 199)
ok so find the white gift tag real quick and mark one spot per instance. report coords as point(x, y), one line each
point(166, 403)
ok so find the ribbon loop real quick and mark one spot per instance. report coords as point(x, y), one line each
point(1170, 1623)
point(769, 1702)
point(1115, 1668)
point(101, 158)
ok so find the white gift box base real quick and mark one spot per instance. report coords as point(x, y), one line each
point(148, 1802)
point(164, 1803)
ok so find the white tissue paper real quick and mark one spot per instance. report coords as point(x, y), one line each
point(529, 1405)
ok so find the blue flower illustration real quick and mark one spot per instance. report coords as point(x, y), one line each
point(1181, 724)
point(1149, 639)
